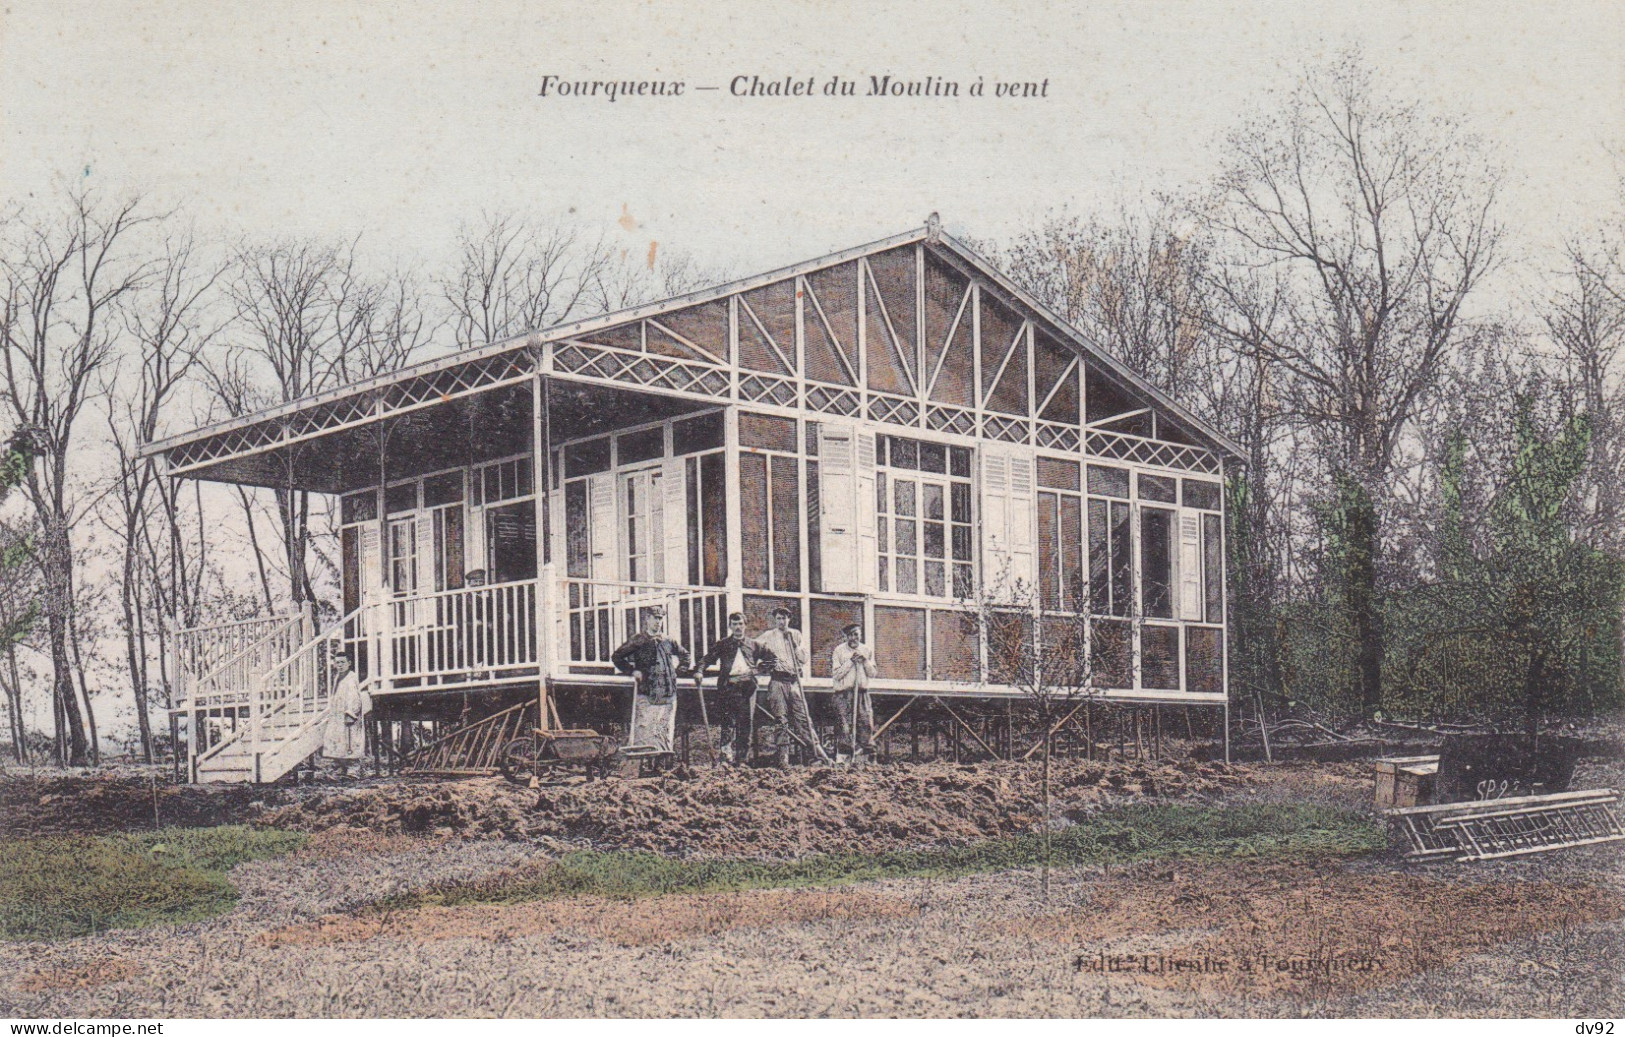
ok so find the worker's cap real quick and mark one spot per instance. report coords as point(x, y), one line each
point(852, 628)
point(654, 612)
point(736, 616)
point(781, 611)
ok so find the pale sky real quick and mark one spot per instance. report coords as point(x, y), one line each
point(334, 119)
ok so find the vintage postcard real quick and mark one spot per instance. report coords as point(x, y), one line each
point(1097, 510)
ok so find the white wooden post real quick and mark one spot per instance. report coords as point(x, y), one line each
point(386, 640)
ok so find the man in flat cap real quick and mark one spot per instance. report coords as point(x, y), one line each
point(652, 658)
point(785, 702)
point(852, 667)
point(738, 659)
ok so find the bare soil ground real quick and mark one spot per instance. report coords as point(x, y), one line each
point(734, 812)
point(1374, 936)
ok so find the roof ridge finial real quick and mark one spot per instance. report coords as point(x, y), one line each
point(933, 227)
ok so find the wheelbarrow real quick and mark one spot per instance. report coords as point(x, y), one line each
point(527, 760)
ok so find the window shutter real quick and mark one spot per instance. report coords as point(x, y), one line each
point(997, 574)
point(601, 527)
point(1188, 562)
point(425, 561)
point(864, 504)
point(837, 507)
point(371, 563)
point(1021, 514)
point(674, 519)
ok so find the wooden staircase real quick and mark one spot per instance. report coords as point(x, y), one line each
point(276, 693)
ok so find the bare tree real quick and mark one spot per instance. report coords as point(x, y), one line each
point(308, 320)
point(67, 277)
point(1046, 651)
point(169, 335)
point(1585, 319)
point(1376, 221)
point(515, 274)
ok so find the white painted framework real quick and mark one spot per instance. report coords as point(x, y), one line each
point(704, 377)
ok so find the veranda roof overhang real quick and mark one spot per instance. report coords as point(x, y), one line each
point(330, 441)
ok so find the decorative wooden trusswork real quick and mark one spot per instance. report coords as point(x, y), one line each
point(1151, 452)
point(615, 365)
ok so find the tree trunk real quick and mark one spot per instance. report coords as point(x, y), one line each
point(134, 648)
point(1360, 546)
point(14, 700)
point(1533, 693)
point(72, 749)
point(1049, 737)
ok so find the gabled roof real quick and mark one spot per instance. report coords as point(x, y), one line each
point(945, 246)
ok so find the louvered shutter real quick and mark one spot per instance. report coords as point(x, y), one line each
point(1188, 575)
point(864, 504)
point(601, 526)
point(837, 507)
point(997, 575)
point(674, 520)
point(1021, 514)
point(372, 563)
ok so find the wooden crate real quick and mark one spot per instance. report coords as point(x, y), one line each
point(1406, 781)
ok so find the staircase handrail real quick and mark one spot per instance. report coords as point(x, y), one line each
point(288, 621)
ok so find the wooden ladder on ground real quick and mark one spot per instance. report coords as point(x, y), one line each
point(1487, 829)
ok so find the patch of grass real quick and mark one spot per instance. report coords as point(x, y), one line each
point(52, 887)
point(1119, 836)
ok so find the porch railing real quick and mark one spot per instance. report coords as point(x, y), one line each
point(597, 616)
point(213, 663)
point(470, 633)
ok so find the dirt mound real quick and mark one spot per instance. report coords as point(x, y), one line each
point(93, 804)
point(765, 813)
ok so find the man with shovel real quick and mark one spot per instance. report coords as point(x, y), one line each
point(852, 666)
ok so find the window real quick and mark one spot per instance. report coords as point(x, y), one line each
point(1204, 495)
point(1108, 482)
point(1212, 569)
point(403, 555)
point(1159, 657)
point(707, 521)
point(1111, 557)
point(504, 480)
point(923, 523)
point(765, 432)
point(401, 497)
point(643, 505)
point(644, 445)
point(692, 435)
point(770, 520)
point(587, 458)
point(1060, 550)
point(1158, 488)
point(510, 542)
point(1157, 562)
point(358, 507)
point(446, 488)
point(577, 545)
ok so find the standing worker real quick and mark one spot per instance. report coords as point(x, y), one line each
point(344, 737)
point(738, 659)
point(648, 656)
point(786, 703)
point(852, 667)
point(654, 661)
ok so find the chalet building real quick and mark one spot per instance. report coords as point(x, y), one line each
point(883, 435)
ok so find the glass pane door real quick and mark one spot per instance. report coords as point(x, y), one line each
point(643, 514)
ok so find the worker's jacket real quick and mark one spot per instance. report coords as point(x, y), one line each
point(726, 651)
point(653, 656)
